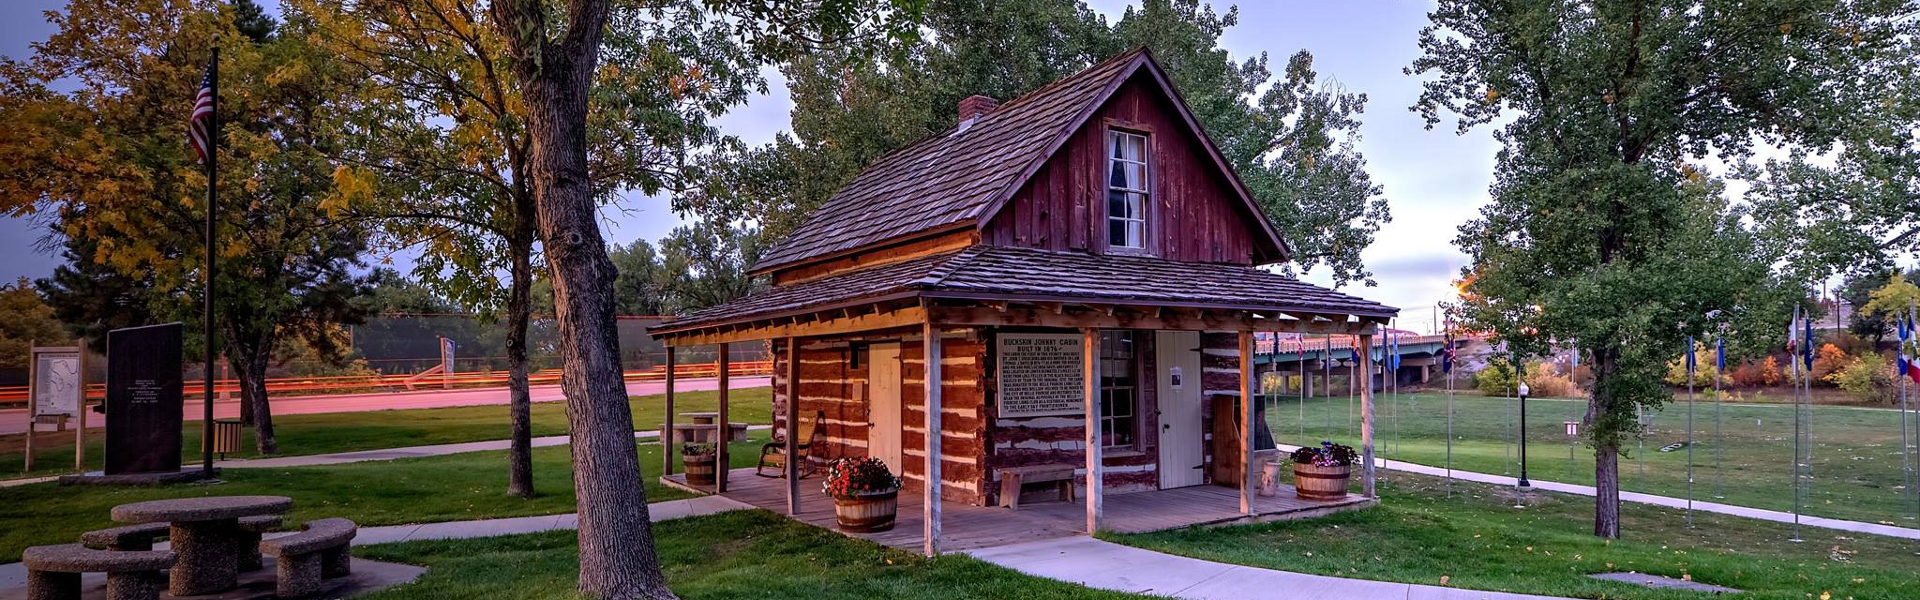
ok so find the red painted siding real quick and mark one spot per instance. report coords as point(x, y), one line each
point(1195, 216)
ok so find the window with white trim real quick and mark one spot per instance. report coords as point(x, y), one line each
point(1119, 389)
point(1126, 189)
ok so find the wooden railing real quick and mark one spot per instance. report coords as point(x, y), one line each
point(398, 382)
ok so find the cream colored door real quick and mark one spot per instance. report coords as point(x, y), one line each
point(883, 404)
point(1177, 356)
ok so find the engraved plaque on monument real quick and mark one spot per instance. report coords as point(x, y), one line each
point(143, 399)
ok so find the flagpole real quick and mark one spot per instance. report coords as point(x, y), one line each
point(1720, 366)
point(206, 315)
point(1691, 369)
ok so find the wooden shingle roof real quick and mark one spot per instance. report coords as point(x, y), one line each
point(953, 178)
point(1003, 273)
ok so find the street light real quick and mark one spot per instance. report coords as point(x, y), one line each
point(1523, 435)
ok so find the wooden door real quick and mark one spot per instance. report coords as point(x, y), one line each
point(1182, 455)
point(883, 404)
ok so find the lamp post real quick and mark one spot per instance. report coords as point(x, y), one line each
point(1523, 435)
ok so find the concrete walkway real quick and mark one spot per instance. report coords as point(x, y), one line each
point(1665, 501)
point(373, 455)
point(1109, 566)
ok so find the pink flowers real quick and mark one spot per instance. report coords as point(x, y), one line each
point(855, 476)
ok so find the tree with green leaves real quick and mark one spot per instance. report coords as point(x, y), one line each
point(96, 136)
point(25, 319)
point(553, 58)
point(1291, 137)
point(1603, 232)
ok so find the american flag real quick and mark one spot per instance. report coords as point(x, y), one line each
point(202, 119)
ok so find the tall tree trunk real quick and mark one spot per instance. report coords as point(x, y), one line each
point(1606, 447)
point(1606, 488)
point(617, 557)
point(520, 402)
point(253, 352)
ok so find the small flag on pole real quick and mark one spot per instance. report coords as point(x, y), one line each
point(1720, 355)
point(201, 121)
point(1806, 353)
point(1910, 345)
point(1690, 357)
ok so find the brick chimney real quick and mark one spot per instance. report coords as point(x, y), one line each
point(973, 107)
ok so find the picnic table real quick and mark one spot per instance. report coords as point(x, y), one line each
point(205, 533)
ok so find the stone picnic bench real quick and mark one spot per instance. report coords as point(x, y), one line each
point(302, 560)
point(53, 572)
point(1014, 479)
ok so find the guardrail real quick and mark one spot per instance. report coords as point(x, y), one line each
point(398, 382)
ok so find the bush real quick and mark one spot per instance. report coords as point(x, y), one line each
point(1867, 378)
point(1828, 360)
point(1497, 379)
point(1764, 373)
point(1545, 381)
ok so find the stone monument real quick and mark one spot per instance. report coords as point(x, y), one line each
point(143, 400)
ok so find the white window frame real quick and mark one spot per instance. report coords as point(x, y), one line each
point(1119, 372)
point(1139, 198)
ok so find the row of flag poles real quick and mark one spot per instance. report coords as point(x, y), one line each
point(1906, 366)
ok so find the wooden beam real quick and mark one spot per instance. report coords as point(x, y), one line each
point(668, 450)
point(930, 508)
point(725, 429)
point(1246, 422)
point(888, 319)
point(1365, 356)
point(1166, 318)
point(1096, 479)
point(792, 461)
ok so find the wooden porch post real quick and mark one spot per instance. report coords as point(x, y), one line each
point(725, 429)
point(1090, 361)
point(1366, 414)
point(793, 421)
point(1246, 422)
point(667, 448)
point(930, 509)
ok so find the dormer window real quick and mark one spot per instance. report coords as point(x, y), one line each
point(1126, 190)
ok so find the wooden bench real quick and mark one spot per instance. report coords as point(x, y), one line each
point(249, 540)
point(1013, 479)
point(127, 538)
point(53, 572)
point(320, 551)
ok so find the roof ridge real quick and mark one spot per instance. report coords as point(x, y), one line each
point(955, 263)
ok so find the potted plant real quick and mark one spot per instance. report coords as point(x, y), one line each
point(865, 494)
point(1320, 473)
point(698, 458)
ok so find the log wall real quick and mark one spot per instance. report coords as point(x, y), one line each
point(831, 383)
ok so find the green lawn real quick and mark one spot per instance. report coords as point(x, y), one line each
point(417, 490)
point(1856, 455)
point(346, 432)
point(741, 554)
point(1477, 540)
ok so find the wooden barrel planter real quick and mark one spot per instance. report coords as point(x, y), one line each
point(1313, 482)
point(866, 513)
point(699, 468)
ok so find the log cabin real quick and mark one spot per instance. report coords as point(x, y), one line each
point(1085, 266)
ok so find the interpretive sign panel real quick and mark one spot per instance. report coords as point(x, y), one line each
point(1041, 374)
point(143, 399)
point(56, 382)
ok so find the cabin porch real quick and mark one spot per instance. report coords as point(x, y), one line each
point(967, 527)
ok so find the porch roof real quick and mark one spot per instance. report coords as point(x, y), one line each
point(1001, 274)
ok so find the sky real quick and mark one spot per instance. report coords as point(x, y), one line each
point(1434, 180)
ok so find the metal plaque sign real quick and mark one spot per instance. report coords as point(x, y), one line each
point(1041, 374)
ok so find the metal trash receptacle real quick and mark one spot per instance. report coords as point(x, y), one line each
point(226, 436)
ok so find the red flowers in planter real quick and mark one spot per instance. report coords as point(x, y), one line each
point(855, 476)
point(1328, 454)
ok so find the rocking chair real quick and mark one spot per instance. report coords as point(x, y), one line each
point(775, 454)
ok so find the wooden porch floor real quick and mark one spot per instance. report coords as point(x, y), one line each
point(966, 527)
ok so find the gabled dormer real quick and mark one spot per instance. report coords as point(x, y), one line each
point(1106, 161)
